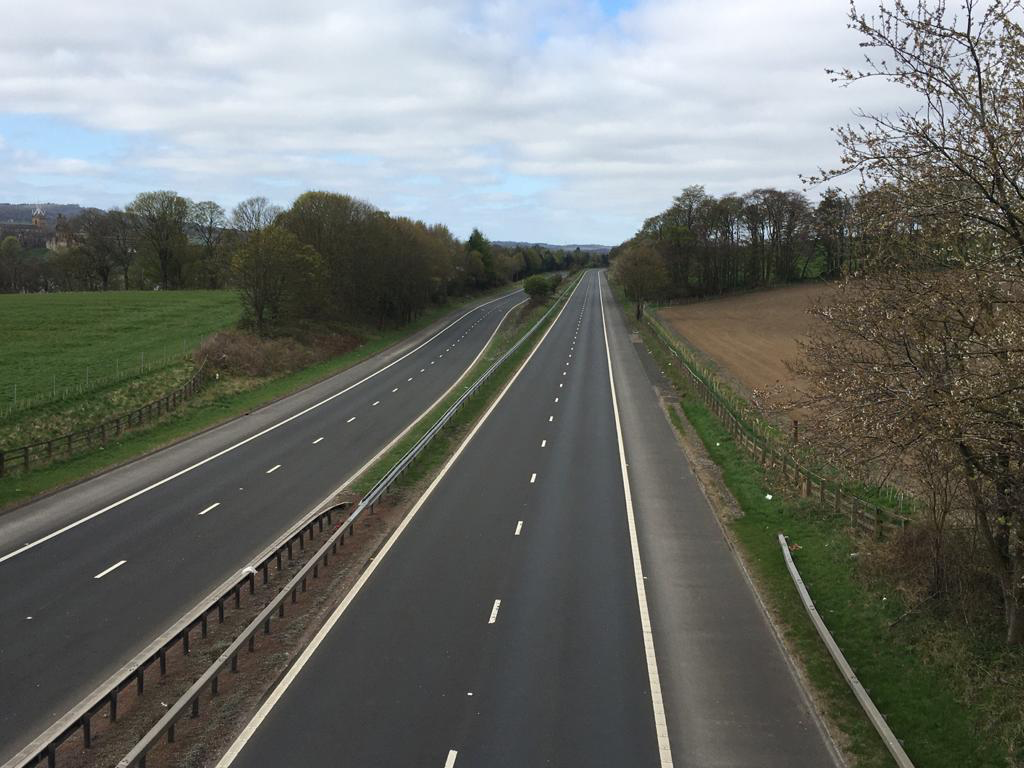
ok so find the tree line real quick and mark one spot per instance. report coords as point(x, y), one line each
point(328, 257)
point(914, 369)
point(703, 245)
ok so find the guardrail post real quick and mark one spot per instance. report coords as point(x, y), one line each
point(113, 706)
point(220, 611)
point(213, 687)
point(203, 624)
point(87, 731)
point(266, 572)
point(51, 756)
point(195, 707)
point(1, 463)
point(140, 680)
point(185, 641)
point(163, 662)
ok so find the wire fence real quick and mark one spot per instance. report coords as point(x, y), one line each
point(763, 442)
point(16, 397)
point(25, 457)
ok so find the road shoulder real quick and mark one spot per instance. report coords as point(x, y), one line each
point(731, 694)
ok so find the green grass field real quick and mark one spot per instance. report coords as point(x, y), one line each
point(60, 342)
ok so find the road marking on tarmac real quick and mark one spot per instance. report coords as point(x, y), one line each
point(450, 762)
point(92, 515)
point(351, 420)
point(274, 468)
point(296, 668)
point(494, 612)
point(519, 527)
point(317, 440)
point(114, 567)
point(543, 443)
point(657, 703)
point(533, 478)
point(210, 508)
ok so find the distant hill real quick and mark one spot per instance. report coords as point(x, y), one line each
point(589, 248)
point(21, 213)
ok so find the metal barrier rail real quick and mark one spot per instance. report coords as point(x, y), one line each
point(876, 717)
point(189, 701)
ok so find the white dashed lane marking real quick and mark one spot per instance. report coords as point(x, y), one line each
point(519, 527)
point(210, 508)
point(317, 440)
point(351, 420)
point(274, 468)
point(117, 565)
point(533, 478)
point(494, 612)
point(543, 443)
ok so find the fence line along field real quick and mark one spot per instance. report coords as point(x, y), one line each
point(51, 343)
point(750, 337)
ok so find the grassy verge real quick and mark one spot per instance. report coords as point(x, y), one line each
point(441, 447)
point(914, 679)
point(216, 404)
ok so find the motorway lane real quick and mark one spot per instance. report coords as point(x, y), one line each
point(423, 667)
point(65, 630)
point(731, 696)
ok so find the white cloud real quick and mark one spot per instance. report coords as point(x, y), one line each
point(614, 115)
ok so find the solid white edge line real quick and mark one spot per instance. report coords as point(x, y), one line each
point(293, 671)
point(658, 704)
point(186, 618)
point(450, 761)
point(210, 508)
point(240, 443)
point(114, 567)
point(494, 612)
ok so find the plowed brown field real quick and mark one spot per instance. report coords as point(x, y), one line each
point(750, 337)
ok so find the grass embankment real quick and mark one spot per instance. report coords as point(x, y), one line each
point(218, 402)
point(936, 683)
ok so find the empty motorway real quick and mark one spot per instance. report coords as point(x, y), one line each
point(548, 601)
point(93, 573)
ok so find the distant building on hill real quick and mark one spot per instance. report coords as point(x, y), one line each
point(34, 235)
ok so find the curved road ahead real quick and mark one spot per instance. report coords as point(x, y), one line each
point(91, 575)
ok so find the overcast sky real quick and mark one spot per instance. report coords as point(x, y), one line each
point(560, 121)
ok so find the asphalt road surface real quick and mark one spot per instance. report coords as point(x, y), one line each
point(506, 622)
point(92, 574)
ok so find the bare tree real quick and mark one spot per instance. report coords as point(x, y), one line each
point(209, 222)
point(254, 215)
point(160, 220)
point(922, 363)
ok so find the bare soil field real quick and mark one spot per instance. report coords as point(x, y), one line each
point(749, 338)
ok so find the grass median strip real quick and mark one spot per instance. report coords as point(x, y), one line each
point(921, 690)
